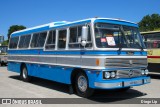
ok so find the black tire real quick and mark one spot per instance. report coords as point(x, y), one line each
point(83, 91)
point(24, 74)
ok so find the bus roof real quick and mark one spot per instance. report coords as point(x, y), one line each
point(66, 23)
point(150, 32)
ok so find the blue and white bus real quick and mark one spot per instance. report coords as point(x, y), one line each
point(96, 53)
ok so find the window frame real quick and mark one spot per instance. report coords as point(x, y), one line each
point(45, 49)
point(38, 35)
point(74, 43)
point(17, 43)
point(88, 42)
point(57, 30)
point(57, 41)
point(24, 41)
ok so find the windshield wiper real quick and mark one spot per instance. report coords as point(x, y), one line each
point(120, 48)
point(141, 47)
point(119, 44)
point(124, 36)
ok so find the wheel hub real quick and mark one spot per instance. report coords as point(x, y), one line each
point(82, 83)
point(24, 73)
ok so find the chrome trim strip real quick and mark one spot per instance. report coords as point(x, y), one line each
point(57, 64)
point(119, 84)
point(83, 56)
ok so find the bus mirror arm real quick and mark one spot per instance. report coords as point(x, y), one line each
point(84, 36)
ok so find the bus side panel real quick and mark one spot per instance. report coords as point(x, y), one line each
point(54, 73)
point(153, 55)
point(64, 74)
point(32, 69)
point(14, 66)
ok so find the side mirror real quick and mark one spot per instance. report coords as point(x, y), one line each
point(84, 35)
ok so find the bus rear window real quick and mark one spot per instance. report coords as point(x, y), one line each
point(13, 42)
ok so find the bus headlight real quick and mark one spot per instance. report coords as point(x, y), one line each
point(146, 71)
point(142, 71)
point(107, 75)
point(113, 74)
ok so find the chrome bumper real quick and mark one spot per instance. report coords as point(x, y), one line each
point(123, 83)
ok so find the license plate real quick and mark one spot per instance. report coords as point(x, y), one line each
point(135, 82)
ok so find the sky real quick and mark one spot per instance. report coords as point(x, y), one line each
point(32, 13)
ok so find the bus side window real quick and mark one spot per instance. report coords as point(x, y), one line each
point(21, 42)
point(24, 41)
point(74, 41)
point(13, 42)
point(34, 40)
point(41, 40)
point(38, 40)
point(27, 41)
point(51, 40)
point(62, 39)
point(75, 37)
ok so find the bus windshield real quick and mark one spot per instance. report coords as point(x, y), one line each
point(117, 36)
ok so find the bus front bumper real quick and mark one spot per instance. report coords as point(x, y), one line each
point(121, 83)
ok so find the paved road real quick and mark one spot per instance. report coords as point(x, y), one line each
point(12, 87)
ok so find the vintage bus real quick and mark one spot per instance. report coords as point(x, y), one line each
point(95, 53)
point(152, 42)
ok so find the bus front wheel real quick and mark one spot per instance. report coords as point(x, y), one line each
point(82, 86)
point(24, 74)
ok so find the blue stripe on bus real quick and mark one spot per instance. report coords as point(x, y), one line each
point(116, 22)
point(41, 52)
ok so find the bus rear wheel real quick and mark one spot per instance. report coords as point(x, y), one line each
point(24, 74)
point(82, 86)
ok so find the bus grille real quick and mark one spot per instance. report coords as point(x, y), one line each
point(128, 73)
point(125, 62)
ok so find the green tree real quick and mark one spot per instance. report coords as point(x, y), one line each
point(14, 28)
point(150, 22)
point(5, 43)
